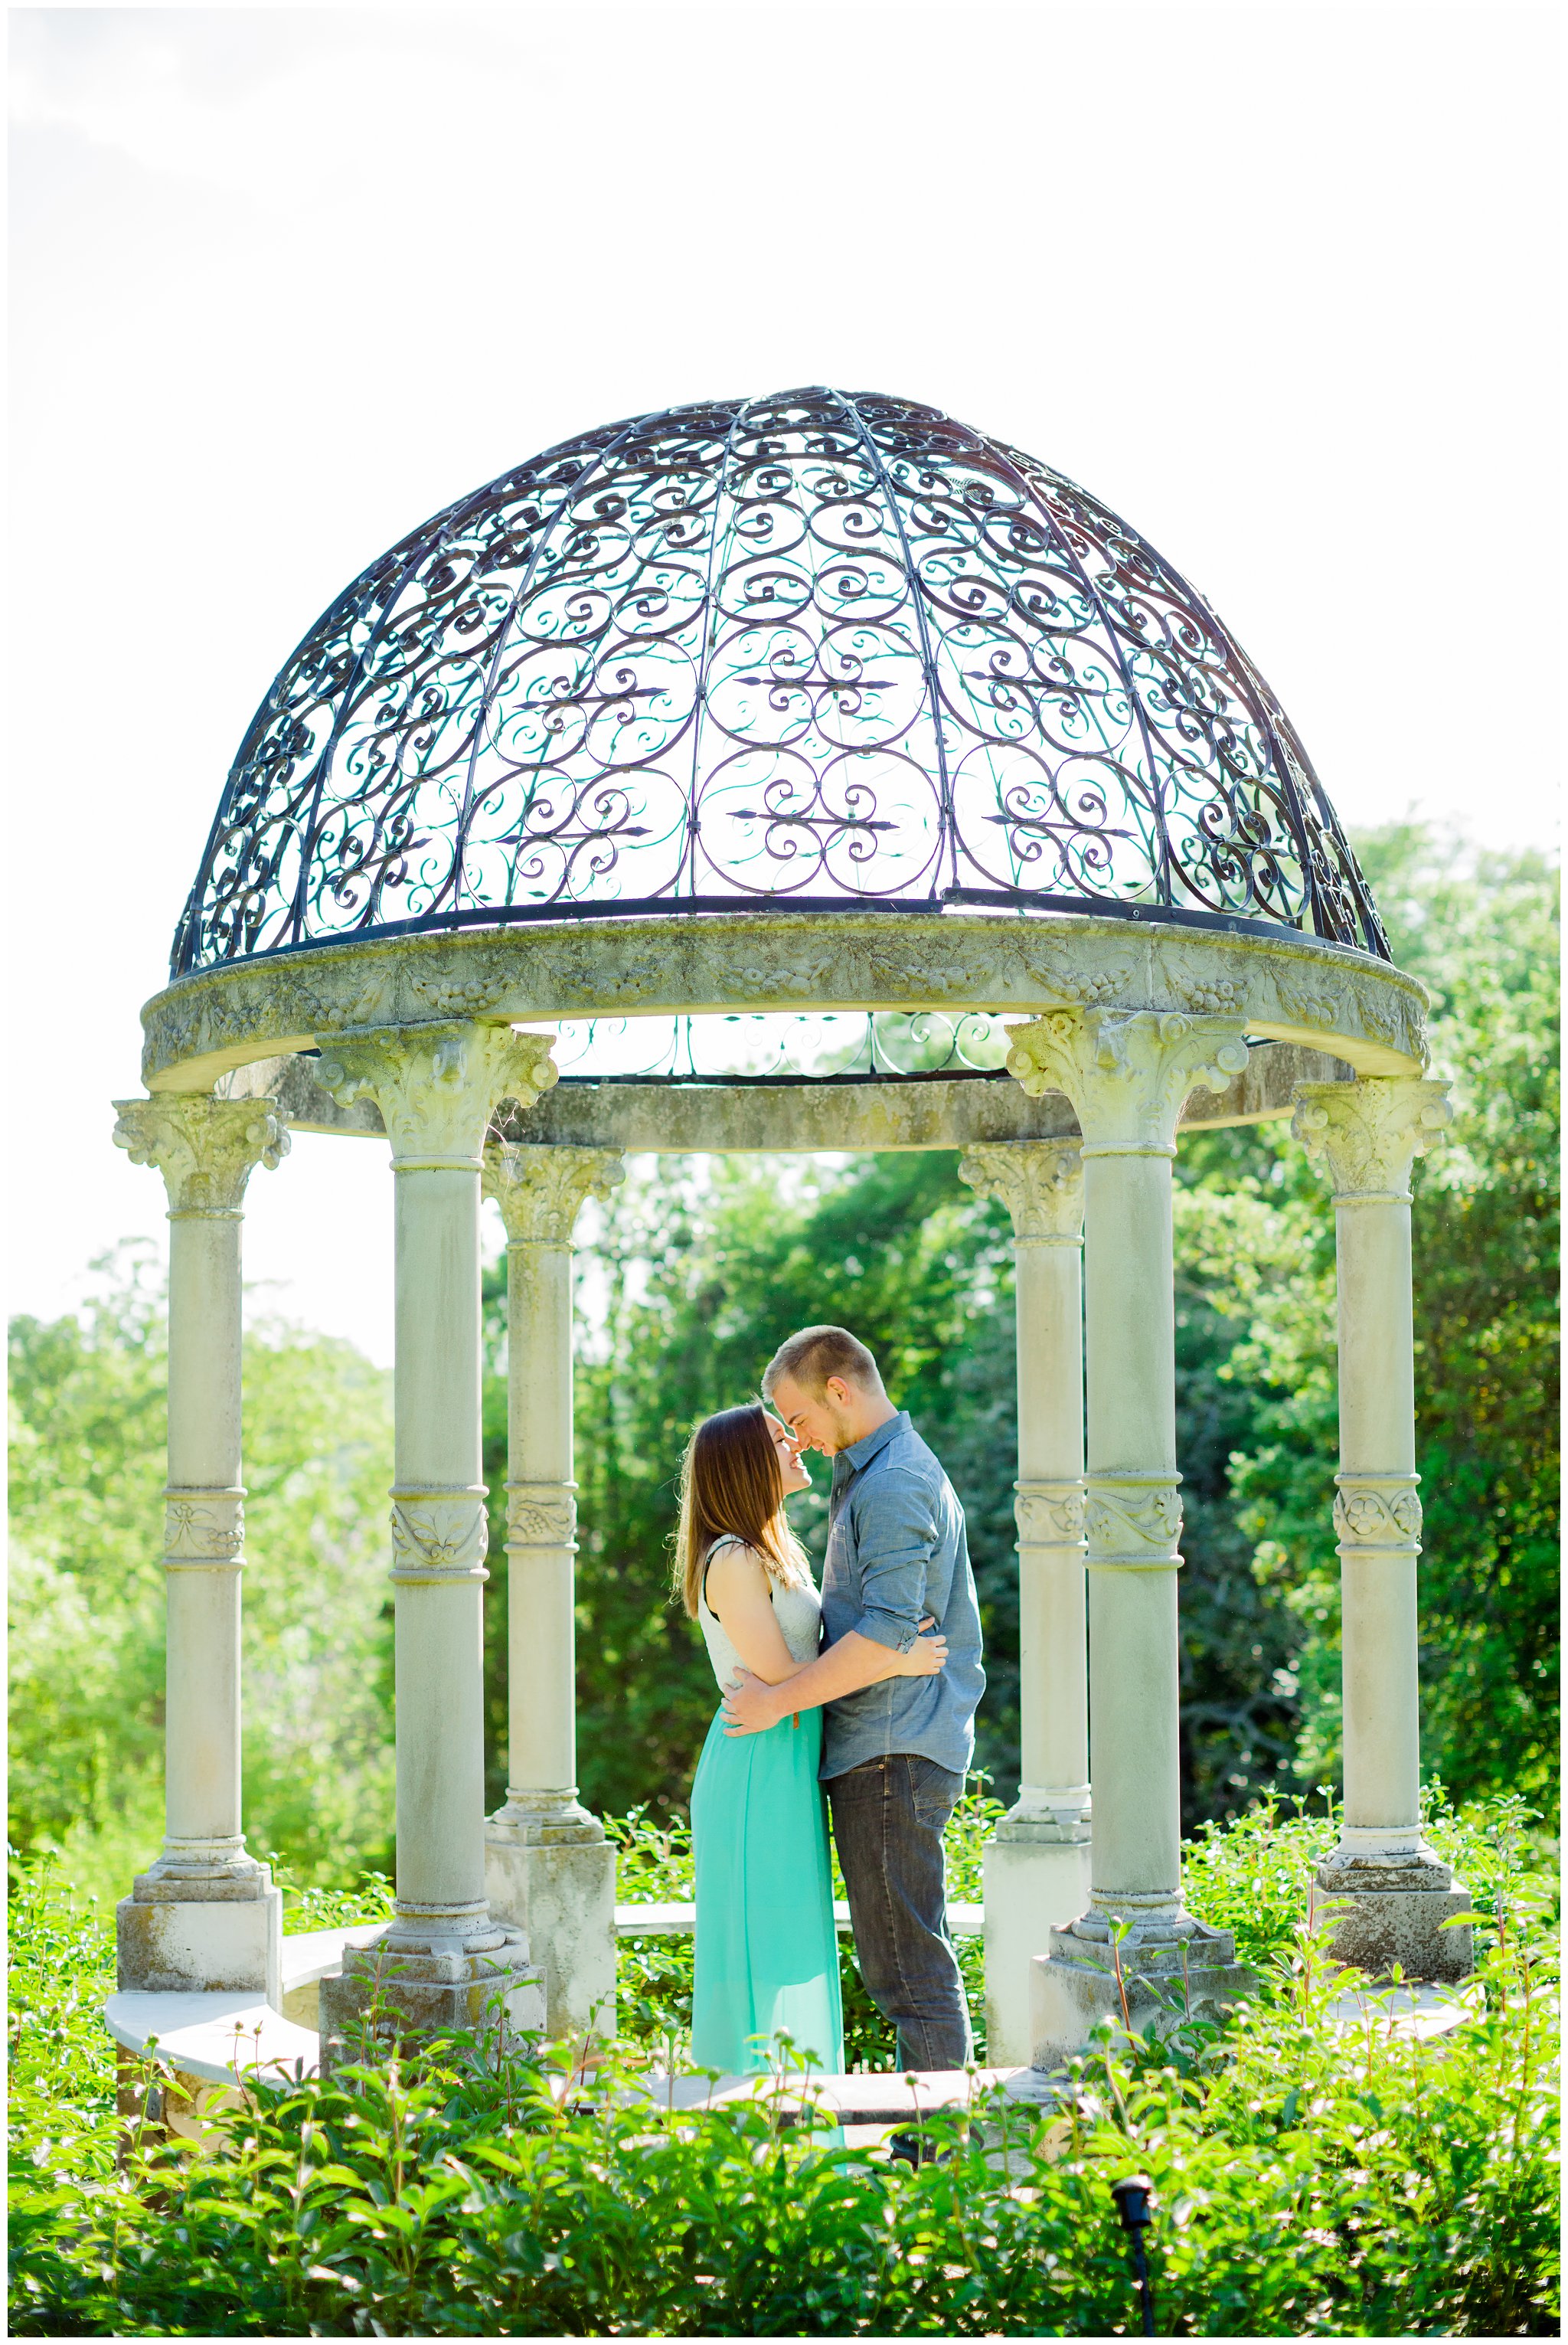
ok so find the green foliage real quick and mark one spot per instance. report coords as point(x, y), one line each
point(1485, 939)
point(86, 1596)
point(1255, 1235)
point(317, 1905)
point(653, 1975)
point(1310, 2178)
point(61, 1966)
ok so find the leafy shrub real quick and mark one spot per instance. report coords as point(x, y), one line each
point(86, 1592)
point(1309, 2178)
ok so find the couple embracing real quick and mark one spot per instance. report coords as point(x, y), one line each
point(866, 1693)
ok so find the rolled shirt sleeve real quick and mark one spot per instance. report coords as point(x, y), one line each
point(896, 1533)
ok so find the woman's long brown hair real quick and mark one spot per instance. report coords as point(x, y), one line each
point(731, 1485)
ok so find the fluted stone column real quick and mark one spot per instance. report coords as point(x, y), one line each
point(206, 1915)
point(1127, 1073)
point(548, 1865)
point(1387, 1894)
point(444, 1961)
point(1036, 1863)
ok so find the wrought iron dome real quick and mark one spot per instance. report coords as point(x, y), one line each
point(815, 651)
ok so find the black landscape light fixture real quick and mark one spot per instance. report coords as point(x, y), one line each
point(1134, 2196)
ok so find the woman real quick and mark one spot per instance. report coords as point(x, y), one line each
point(767, 1953)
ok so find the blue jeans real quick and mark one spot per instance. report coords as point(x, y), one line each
point(888, 1816)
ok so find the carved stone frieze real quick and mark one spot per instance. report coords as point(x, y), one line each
point(1206, 992)
point(1292, 986)
point(541, 1191)
point(1049, 1513)
point(1134, 1521)
point(1126, 1073)
point(1382, 1021)
point(362, 998)
point(437, 1084)
point(1076, 983)
point(1336, 1001)
point(438, 1534)
point(540, 1514)
point(205, 1149)
point(1377, 1511)
point(1041, 1184)
point(466, 996)
point(1369, 1132)
point(202, 1525)
point(1308, 1005)
point(898, 968)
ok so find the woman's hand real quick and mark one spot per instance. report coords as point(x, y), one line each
point(926, 1655)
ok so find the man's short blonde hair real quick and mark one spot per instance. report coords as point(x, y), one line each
point(809, 1359)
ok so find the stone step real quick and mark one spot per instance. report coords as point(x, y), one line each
point(892, 2098)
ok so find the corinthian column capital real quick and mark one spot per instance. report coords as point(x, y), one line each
point(1126, 1073)
point(1041, 1184)
point(436, 1084)
point(205, 1147)
point(1369, 1132)
point(541, 1191)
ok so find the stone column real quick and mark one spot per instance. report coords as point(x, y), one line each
point(206, 1916)
point(1127, 1073)
point(1037, 1868)
point(1388, 1894)
point(548, 1865)
point(444, 1961)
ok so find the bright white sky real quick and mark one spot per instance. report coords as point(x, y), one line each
point(1274, 280)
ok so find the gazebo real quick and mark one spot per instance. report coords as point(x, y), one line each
point(798, 773)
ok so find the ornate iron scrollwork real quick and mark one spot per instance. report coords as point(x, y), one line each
point(812, 650)
point(782, 1047)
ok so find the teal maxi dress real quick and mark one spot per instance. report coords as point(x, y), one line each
point(767, 1951)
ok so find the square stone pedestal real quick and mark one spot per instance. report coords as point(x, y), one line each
point(175, 1936)
point(1376, 1915)
point(558, 1884)
point(411, 1995)
point(1075, 1986)
point(1037, 1880)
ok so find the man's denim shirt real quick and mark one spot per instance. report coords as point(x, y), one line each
point(897, 1550)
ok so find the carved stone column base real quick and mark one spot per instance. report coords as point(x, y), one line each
point(1375, 1911)
point(555, 1878)
point(198, 1871)
point(1037, 1877)
point(547, 1820)
point(180, 1936)
point(1059, 1816)
point(391, 1997)
point(1074, 1987)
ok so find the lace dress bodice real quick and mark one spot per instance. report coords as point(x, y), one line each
point(798, 1612)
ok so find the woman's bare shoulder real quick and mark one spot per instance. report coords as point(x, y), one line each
point(733, 1561)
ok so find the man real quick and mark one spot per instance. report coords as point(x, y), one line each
point(894, 1751)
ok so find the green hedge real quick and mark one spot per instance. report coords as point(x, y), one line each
point(1308, 2180)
